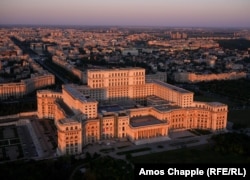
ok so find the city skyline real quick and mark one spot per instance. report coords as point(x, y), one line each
point(192, 13)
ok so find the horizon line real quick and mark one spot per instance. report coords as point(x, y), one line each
point(138, 26)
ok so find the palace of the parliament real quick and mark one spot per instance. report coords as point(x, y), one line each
point(121, 104)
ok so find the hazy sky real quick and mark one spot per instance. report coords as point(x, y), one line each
point(205, 13)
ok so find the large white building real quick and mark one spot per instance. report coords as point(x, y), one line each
point(119, 103)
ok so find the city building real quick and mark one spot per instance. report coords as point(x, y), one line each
point(26, 86)
point(178, 35)
point(120, 104)
point(193, 77)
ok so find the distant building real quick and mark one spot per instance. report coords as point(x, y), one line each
point(178, 35)
point(118, 103)
point(18, 90)
point(162, 76)
point(131, 51)
point(193, 77)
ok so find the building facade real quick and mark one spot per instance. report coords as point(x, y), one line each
point(119, 104)
point(193, 77)
point(18, 90)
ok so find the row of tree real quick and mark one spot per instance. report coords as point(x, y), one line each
point(236, 143)
point(234, 89)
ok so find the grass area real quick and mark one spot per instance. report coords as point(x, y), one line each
point(134, 151)
point(239, 116)
point(203, 154)
point(107, 168)
point(183, 143)
point(237, 90)
point(5, 156)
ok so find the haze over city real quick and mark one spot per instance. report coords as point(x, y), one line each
point(191, 13)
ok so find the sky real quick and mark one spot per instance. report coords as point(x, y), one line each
point(170, 13)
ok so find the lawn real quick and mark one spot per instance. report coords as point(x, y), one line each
point(203, 154)
point(239, 116)
point(134, 151)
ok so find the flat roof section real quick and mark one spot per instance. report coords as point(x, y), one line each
point(77, 94)
point(68, 121)
point(144, 121)
point(110, 108)
point(65, 108)
point(116, 69)
point(165, 107)
point(215, 103)
point(175, 88)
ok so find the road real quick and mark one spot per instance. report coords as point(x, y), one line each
point(26, 49)
point(41, 62)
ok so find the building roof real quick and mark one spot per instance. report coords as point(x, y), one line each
point(70, 88)
point(215, 103)
point(116, 69)
point(68, 121)
point(109, 108)
point(145, 121)
point(65, 108)
point(166, 107)
point(175, 88)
